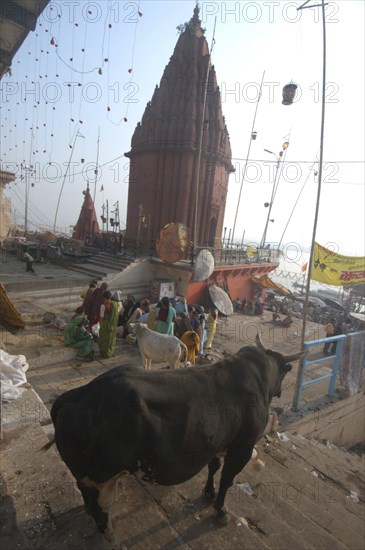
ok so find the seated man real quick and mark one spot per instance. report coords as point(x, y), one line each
point(285, 323)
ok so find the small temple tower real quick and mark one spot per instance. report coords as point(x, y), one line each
point(165, 151)
point(87, 224)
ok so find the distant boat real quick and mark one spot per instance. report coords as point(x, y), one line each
point(312, 300)
point(334, 304)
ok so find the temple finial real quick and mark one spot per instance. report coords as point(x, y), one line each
point(196, 13)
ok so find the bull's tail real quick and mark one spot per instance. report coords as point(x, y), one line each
point(47, 445)
point(184, 353)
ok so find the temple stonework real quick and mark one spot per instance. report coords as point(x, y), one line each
point(87, 224)
point(165, 149)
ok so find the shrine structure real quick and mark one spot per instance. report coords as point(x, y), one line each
point(180, 158)
point(87, 225)
point(180, 162)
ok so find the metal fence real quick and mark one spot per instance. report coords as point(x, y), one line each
point(223, 254)
point(307, 366)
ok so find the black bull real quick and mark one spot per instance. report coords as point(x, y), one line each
point(168, 424)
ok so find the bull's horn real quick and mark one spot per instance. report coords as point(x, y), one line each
point(259, 343)
point(286, 358)
point(294, 356)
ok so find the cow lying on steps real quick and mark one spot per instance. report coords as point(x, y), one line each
point(154, 346)
point(168, 424)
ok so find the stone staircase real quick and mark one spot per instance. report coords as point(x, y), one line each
point(286, 498)
point(62, 295)
point(298, 493)
point(101, 265)
point(41, 506)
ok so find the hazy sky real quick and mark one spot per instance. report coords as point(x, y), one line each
point(76, 67)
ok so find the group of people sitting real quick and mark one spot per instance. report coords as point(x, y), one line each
point(99, 309)
point(249, 308)
point(103, 317)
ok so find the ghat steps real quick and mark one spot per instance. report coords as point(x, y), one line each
point(297, 494)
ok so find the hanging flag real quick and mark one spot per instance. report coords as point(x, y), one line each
point(102, 188)
point(304, 267)
point(335, 269)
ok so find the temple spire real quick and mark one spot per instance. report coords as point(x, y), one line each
point(195, 18)
point(176, 167)
point(195, 22)
point(87, 224)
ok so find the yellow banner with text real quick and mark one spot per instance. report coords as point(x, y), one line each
point(334, 269)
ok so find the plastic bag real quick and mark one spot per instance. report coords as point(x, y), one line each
point(13, 369)
point(95, 330)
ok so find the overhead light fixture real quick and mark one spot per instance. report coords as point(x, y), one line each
point(289, 92)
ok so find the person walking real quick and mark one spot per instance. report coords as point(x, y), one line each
point(338, 330)
point(29, 259)
point(211, 328)
point(109, 315)
point(330, 331)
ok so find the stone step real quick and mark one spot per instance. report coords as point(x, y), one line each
point(114, 263)
point(92, 273)
point(157, 510)
point(294, 483)
point(330, 467)
point(353, 463)
point(53, 294)
point(46, 284)
point(39, 487)
point(319, 488)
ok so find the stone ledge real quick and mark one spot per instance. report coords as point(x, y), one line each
point(40, 499)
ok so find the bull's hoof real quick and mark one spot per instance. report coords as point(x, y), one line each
point(222, 518)
point(209, 495)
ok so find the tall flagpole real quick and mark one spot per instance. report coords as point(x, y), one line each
point(247, 157)
point(65, 176)
point(201, 144)
point(320, 167)
point(97, 165)
point(295, 205)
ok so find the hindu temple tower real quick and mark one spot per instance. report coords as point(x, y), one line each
point(165, 149)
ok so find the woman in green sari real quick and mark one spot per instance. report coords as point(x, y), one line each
point(108, 326)
point(76, 335)
point(165, 317)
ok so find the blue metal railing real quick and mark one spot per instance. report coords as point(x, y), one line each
point(307, 363)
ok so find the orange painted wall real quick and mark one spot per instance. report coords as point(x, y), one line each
point(236, 278)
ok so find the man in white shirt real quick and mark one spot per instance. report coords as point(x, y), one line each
point(28, 258)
